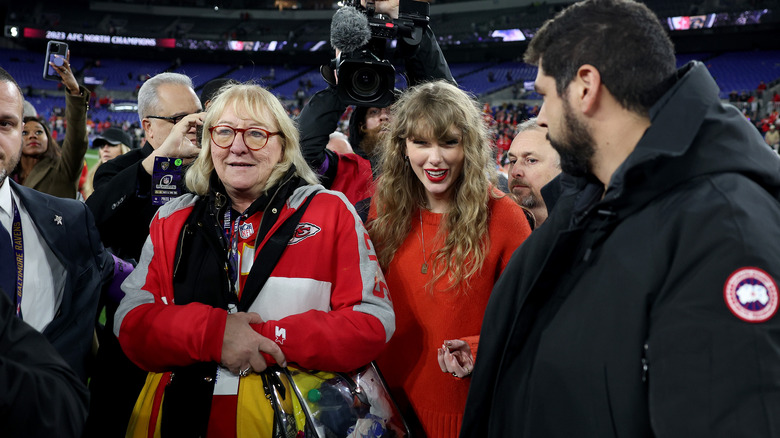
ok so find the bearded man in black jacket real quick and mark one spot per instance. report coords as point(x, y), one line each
point(645, 306)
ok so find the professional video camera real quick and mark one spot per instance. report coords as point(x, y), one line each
point(365, 75)
point(411, 21)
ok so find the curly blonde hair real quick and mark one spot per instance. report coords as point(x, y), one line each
point(253, 101)
point(434, 108)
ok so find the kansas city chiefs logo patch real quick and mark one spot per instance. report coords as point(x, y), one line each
point(304, 231)
point(751, 295)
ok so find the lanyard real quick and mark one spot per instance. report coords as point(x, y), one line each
point(16, 235)
point(231, 232)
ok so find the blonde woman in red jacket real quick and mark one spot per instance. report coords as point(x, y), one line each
point(192, 314)
point(443, 236)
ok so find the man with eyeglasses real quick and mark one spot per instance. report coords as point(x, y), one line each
point(169, 111)
point(170, 114)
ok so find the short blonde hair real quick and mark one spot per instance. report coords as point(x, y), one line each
point(251, 101)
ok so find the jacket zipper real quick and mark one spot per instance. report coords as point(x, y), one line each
point(181, 248)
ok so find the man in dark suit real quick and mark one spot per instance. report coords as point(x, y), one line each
point(58, 265)
point(33, 371)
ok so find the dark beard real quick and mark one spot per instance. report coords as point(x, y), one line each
point(529, 201)
point(9, 165)
point(577, 146)
point(371, 139)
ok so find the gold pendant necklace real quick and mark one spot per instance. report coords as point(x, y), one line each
point(424, 268)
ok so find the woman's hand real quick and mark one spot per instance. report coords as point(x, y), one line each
point(68, 80)
point(455, 358)
point(242, 345)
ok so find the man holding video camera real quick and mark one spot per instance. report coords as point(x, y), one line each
point(358, 43)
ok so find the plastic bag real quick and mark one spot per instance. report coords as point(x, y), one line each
point(336, 405)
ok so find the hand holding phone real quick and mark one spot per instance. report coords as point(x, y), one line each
point(58, 67)
point(56, 53)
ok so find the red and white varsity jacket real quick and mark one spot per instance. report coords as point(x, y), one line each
point(326, 302)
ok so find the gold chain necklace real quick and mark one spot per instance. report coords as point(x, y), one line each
point(424, 268)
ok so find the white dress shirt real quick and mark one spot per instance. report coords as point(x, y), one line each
point(44, 275)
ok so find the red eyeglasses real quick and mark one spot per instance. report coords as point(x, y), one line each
point(254, 138)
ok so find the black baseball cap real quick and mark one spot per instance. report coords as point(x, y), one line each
point(112, 136)
point(212, 87)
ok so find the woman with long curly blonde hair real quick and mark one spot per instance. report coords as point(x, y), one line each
point(443, 235)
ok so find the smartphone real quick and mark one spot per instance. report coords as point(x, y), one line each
point(199, 134)
point(53, 49)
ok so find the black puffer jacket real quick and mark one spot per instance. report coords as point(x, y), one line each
point(617, 318)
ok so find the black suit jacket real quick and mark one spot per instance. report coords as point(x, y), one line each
point(122, 203)
point(66, 225)
point(32, 371)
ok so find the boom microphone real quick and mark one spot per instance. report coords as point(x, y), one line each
point(349, 30)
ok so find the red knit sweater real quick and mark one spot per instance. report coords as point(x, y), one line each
point(424, 319)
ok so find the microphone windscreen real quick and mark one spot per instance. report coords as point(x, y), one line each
point(349, 30)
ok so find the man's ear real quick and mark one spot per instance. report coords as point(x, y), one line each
point(147, 125)
point(587, 89)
